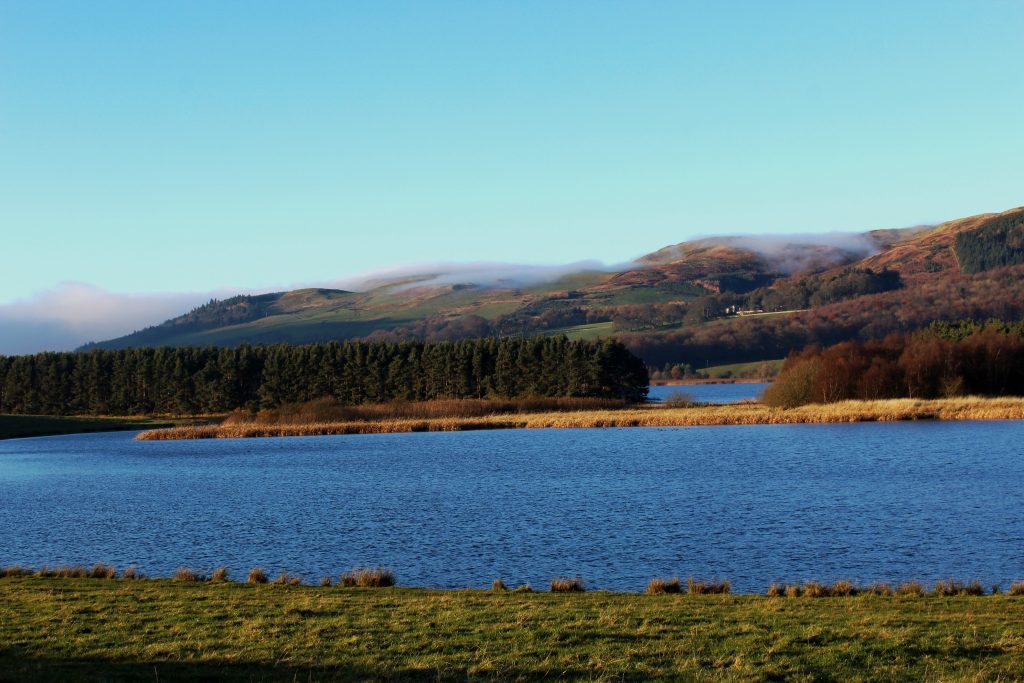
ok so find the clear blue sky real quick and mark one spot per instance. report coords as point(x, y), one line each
point(186, 146)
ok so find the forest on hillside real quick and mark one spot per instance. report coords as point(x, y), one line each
point(190, 380)
point(998, 243)
point(997, 293)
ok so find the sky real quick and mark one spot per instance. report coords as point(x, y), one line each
point(155, 154)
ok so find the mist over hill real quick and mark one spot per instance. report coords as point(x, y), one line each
point(742, 297)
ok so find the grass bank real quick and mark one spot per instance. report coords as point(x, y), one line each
point(19, 426)
point(969, 408)
point(80, 629)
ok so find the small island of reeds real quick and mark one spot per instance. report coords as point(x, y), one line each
point(325, 418)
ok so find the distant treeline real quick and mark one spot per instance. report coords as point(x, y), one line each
point(948, 359)
point(190, 380)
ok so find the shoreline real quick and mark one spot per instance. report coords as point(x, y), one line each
point(689, 587)
point(710, 380)
point(30, 426)
point(890, 410)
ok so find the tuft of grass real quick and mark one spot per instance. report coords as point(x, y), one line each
point(793, 590)
point(883, 589)
point(131, 573)
point(842, 588)
point(567, 584)
point(949, 587)
point(659, 586)
point(776, 591)
point(186, 574)
point(326, 581)
point(525, 588)
point(813, 589)
point(286, 579)
point(256, 575)
point(696, 587)
point(14, 571)
point(102, 571)
point(368, 577)
point(911, 588)
point(1017, 588)
point(75, 571)
point(498, 586)
point(219, 575)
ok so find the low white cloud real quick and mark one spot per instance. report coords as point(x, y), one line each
point(787, 253)
point(482, 274)
point(74, 313)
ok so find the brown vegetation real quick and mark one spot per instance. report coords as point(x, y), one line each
point(256, 575)
point(910, 588)
point(330, 410)
point(364, 577)
point(695, 587)
point(186, 574)
point(367, 577)
point(567, 584)
point(892, 410)
point(988, 362)
point(286, 579)
point(950, 587)
point(659, 586)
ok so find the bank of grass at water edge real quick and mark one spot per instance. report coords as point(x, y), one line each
point(891, 410)
point(20, 426)
point(109, 630)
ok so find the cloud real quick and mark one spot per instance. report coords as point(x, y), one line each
point(796, 252)
point(482, 274)
point(74, 313)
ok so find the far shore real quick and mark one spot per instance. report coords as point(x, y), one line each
point(892, 410)
point(709, 380)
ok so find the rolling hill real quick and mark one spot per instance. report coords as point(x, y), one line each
point(704, 290)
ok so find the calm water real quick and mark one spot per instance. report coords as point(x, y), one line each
point(617, 506)
point(711, 393)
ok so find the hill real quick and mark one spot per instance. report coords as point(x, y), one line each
point(727, 299)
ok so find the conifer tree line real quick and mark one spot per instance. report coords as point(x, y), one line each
point(192, 380)
point(998, 243)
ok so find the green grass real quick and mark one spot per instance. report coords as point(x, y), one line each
point(96, 630)
point(18, 426)
point(587, 332)
point(743, 370)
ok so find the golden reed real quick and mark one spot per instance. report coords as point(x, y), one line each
point(890, 410)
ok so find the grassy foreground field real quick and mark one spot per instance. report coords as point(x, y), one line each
point(970, 408)
point(18, 426)
point(95, 630)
